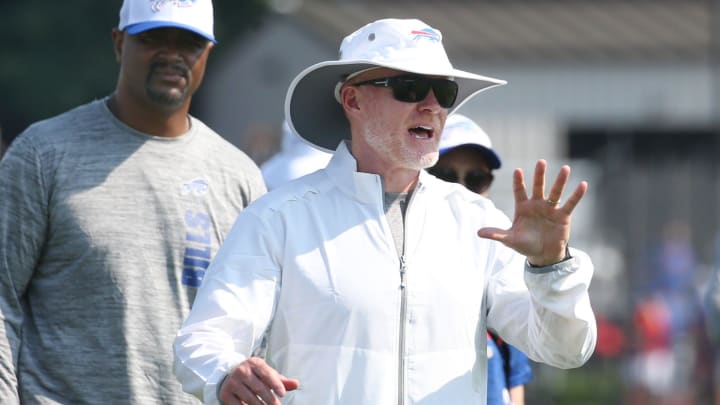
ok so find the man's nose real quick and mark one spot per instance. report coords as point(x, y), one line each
point(430, 103)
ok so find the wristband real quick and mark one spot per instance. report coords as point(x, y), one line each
point(567, 257)
point(217, 389)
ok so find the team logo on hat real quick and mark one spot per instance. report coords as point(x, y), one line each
point(158, 4)
point(428, 33)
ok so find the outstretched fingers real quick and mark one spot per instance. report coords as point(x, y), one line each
point(556, 191)
point(496, 234)
point(575, 198)
point(538, 190)
point(519, 186)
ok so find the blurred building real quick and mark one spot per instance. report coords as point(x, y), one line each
point(626, 92)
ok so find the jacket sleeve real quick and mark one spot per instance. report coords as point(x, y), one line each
point(232, 310)
point(712, 307)
point(23, 223)
point(544, 311)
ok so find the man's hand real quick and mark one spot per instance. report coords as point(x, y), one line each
point(541, 227)
point(254, 382)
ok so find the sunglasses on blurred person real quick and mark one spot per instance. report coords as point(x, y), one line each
point(414, 88)
point(475, 180)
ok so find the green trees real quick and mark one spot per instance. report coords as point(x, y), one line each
point(55, 55)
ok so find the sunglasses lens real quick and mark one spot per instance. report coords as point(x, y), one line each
point(478, 180)
point(446, 92)
point(443, 173)
point(410, 89)
point(413, 89)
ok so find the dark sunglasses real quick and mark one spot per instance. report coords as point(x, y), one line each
point(414, 88)
point(475, 180)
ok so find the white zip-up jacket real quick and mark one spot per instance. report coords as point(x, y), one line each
point(312, 267)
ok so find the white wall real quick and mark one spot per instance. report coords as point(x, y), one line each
point(247, 87)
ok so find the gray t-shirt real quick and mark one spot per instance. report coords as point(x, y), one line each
point(105, 233)
point(395, 205)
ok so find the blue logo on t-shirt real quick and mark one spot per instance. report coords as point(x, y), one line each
point(196, 187)
point(198, 247)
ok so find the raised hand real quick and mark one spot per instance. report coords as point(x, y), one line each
point(254, 382)
point(541, 226)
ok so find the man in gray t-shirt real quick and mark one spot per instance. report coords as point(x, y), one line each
point(109, 215)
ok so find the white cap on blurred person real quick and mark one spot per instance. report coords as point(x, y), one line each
point(137, 16)
point(296, 158)
point(407, 45)
point(462, 131)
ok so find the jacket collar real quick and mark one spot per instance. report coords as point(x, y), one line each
point(367, 187)
point(342, 170)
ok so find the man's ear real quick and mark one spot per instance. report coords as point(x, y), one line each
point(349, 96)
point(117, 40)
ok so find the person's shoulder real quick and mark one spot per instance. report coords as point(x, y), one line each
point(48, 128)
point(300, 191)
point(284, 167)
point(211, 137)
point(57, 132)
point(275, 171)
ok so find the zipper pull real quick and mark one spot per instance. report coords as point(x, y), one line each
point(403, 268)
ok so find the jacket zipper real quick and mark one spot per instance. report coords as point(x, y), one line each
point(403, 302)
point(401, 346)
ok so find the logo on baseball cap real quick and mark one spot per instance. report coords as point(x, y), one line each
point(137, 16)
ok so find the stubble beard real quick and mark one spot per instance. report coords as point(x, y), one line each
point(429, 159)
point(391, 148)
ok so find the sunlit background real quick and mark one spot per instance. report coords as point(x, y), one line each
point(626, 92)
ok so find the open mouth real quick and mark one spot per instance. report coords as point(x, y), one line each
point(422, 132)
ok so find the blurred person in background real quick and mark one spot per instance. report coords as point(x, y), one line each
point(712, 301)
point(712, 318)
point(670, 365)
point(110, 214)
point(295, 158)
point(372, 281)
point(467, 157)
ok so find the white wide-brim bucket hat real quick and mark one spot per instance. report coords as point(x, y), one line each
point(311, 107)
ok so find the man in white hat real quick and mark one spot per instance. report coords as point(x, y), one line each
point(366, 282)
point(109, 216)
